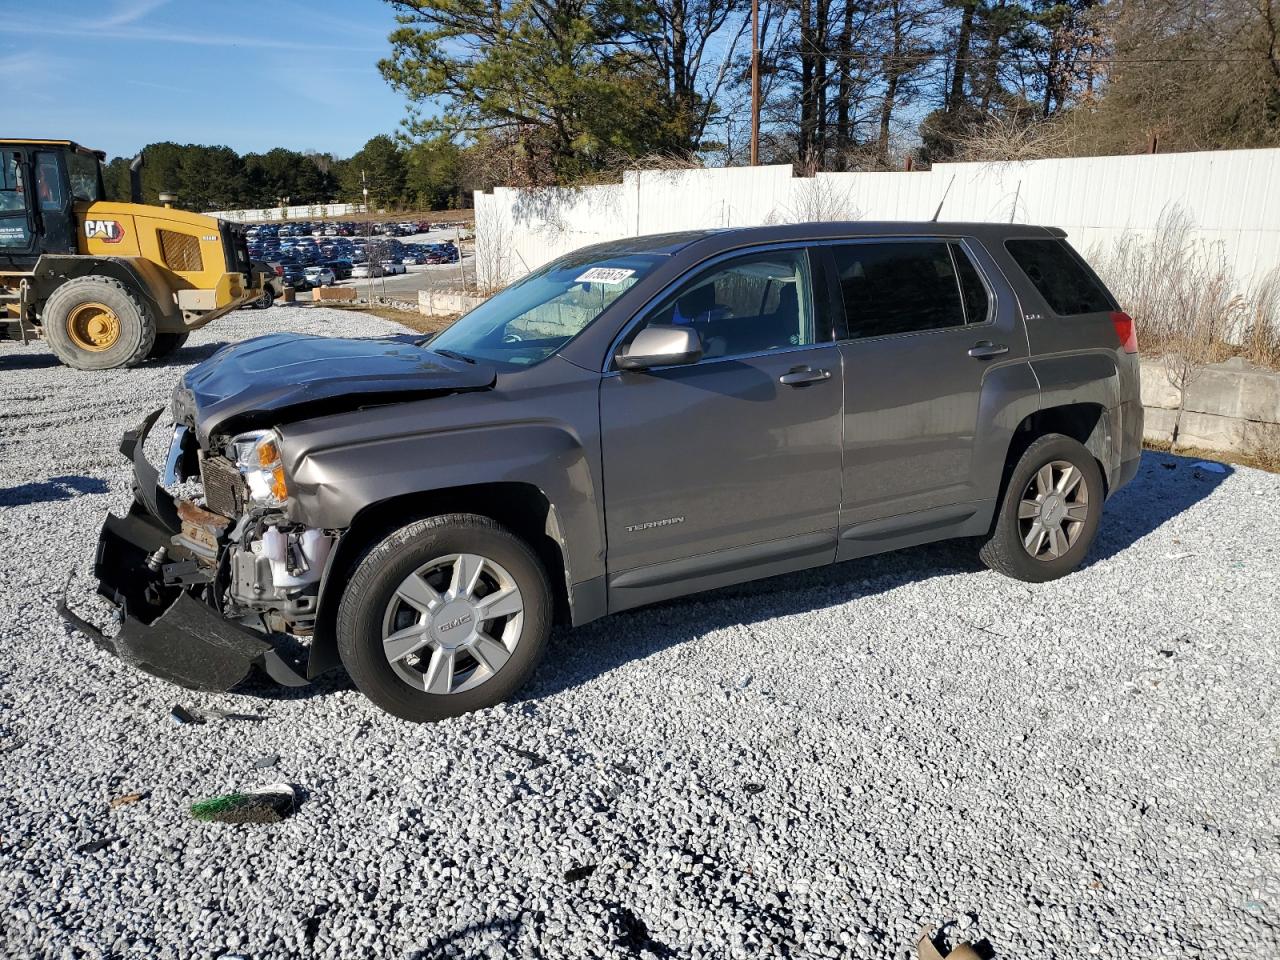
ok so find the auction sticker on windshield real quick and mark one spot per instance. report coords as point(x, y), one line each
point(604, 275)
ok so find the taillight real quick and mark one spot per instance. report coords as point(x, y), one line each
point(1126, 331)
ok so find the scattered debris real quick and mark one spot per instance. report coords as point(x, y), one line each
point(536, 760)
point(129, 798)
point(225, 715)
point(93, 846)
point(745, 681)
point(266, 761)
point(269, 804)
point(1178, 556)
point(574, 874)
point(627, 769)
point(1211, 466)
point(1166, 653)
point(753, 788)
point(181, 715)
point(928, 951)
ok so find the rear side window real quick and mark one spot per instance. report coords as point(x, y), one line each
point(977, 302)
point(902, 287)
point(1058, 273)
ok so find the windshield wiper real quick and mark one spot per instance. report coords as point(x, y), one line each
point(454, 355)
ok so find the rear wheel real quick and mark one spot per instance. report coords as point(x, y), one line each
point(267, 299)
point(167, 343)
point(1049, 514)
point(97, 323)
point(445, 616)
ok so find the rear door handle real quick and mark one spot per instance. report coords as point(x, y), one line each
point(802, 375)
point(985, 348)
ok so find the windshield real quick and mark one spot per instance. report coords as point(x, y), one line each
point(536, 316)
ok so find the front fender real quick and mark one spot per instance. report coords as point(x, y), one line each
point(330, 486)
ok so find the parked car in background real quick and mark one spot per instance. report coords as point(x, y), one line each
point(295, 276)
point(341, 268)
point(319, 276)
point(361, 271)
point(392, 267)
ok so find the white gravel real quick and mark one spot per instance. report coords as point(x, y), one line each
point(810, 766)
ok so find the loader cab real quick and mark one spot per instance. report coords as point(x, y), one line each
point(41, 181)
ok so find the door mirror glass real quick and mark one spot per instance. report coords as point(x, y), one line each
point(661, 345)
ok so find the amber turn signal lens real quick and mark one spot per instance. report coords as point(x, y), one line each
point(268, 454)
point(278, 489)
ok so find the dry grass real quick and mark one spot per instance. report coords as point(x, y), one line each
point(1183, 294)
point(408, 318)
point(1268, 460)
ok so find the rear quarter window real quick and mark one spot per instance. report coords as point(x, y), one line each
point(1057, 272)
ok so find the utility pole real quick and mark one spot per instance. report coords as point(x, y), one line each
point(755, 82)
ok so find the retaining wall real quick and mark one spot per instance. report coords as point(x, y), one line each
point(1232, 406)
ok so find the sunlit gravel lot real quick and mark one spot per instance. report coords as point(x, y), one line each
point(811, 766)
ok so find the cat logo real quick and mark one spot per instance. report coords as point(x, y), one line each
point(108, 231)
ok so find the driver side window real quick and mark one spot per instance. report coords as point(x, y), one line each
point(13, 203)
point(753, 304)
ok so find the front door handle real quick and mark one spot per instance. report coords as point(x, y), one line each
point(985, 348)
point(802, 375)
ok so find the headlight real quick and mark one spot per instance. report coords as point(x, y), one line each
point(258, 457)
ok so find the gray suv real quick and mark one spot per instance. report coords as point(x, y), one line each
point(636, 421)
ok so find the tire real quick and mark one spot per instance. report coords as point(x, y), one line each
point(265, 301)
point(1009, 548)
point(166, 344)
point(97, 323)
point(373, 606)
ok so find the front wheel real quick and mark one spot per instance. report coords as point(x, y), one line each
point(1049, 514)
point(447, 615)
point(98, 323)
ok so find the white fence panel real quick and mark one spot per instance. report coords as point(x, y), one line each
point(1231, 196)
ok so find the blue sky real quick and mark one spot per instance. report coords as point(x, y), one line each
point(118, 74)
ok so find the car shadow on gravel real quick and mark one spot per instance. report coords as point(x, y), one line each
point(30, 358)
point(186, 356)
point(53, 489)
point(1166, 485)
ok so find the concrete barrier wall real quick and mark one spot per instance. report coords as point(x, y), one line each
point(1232, 407)
point(439, 303)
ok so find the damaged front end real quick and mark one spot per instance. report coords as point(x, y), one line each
point(204, 588)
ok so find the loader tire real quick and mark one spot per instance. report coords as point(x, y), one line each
point(97, 323)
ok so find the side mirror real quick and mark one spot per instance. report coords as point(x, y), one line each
point(661, 345)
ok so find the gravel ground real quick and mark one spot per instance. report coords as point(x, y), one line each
point(805, 767)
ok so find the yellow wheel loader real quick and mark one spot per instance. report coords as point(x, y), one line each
point(107, 284)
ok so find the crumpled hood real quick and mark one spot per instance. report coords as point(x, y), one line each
point(314, 376)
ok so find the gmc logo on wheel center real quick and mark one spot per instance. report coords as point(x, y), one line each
point(108, 231)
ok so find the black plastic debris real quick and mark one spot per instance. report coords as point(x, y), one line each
point(753, 788)
point(93, 846)
point(181, 715)
point(576, 874)
point(535, 760)
point(266, 761)
point(269, 804)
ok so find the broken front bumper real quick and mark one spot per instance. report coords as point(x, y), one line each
point(167, 631)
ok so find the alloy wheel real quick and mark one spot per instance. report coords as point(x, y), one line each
point(453, 623)
point(1053, 510)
